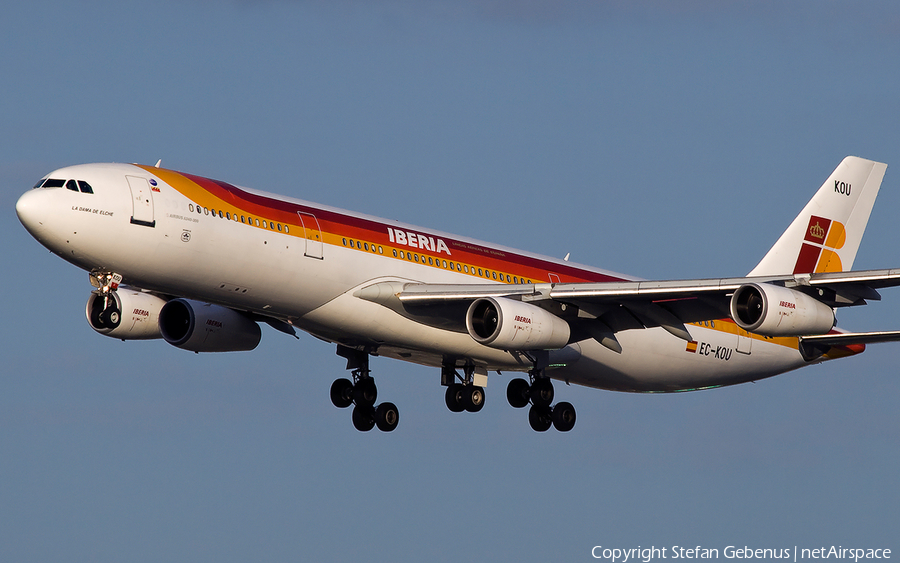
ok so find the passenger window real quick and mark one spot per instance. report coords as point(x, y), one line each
point(71, 185)
point(515, 279)
point(395, 253)
point(366, 246)
point(466, 269)
point(205, 211)
point(380, 250)
point(286, 229)
point(228, 215)
point(243, 219)
point(494, 274)
point(257, 222)
point(220, 214)
point(344, 241)
point(430, 261)
point(265, 225)
point(85, 187)
point(279, 227)
point(402, 255)
point(191, 207)
point(417, 257)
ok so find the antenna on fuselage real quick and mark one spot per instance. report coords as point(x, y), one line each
point(158, 162)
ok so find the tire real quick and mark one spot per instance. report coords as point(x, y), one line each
point(542, 392)
point(363, 418)
point(474, 398)
point(517, 393)
point(365, 392)
point(453, 398)
point(342, 393)
point(110, 317)
point(387, 417)
point(539, 418)
point(563, 416)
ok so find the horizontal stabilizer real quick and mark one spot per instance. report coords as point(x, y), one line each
point(848, 338)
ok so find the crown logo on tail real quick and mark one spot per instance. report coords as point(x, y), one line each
point(816, 231)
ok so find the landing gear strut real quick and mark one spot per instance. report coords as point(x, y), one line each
point(464, 395)
point(362, 393)
point(105, 312)
point(541, 415)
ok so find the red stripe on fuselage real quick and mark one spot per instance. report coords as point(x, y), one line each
point(374, 231)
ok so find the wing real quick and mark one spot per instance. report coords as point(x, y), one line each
point(599, 310)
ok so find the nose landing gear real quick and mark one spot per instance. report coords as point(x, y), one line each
point(106, 312)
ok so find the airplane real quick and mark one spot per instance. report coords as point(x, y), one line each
point(200, 263)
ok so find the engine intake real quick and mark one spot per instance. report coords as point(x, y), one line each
point(772, 310)
point(127, 314)
point(202, 327)
point(512, 325)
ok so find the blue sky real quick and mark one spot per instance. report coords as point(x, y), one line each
point(657, 140)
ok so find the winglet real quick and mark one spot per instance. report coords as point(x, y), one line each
point(826, 234)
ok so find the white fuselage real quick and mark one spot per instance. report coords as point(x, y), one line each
point(302, 263)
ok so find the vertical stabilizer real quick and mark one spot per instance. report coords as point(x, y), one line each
point(826, 234)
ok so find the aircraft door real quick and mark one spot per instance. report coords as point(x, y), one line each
point(141, 201)
point(313, 235)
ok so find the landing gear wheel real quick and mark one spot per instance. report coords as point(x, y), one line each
point(363, 418)
point(539, 418)
point(342, 393)
point(563, 416)
point(365, 392)
point(517, 393)
point(109, 317)
point(473, 397)
point(387, 416)
point(454, 398)
point(542, 392)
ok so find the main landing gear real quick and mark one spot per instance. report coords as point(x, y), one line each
point(362, 393)
point(464, 395)
point(540, 393)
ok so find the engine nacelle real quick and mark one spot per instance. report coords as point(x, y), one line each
point(127, 314)
point(202, 327)
point(772, 310)
point(512, 325)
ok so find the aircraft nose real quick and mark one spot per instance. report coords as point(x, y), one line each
point(31, 208)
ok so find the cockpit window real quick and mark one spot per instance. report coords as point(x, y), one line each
point(51, 183)
point(85, 187)
point(71, 185)
point(39, 182)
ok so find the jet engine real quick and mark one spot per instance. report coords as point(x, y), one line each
point(772, 310)
point(127, 314)
point(202, 327)
point(513, 325)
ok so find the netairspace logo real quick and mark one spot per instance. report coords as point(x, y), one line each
point(648, 554)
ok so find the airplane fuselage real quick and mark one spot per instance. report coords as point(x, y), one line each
point(180, 235)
